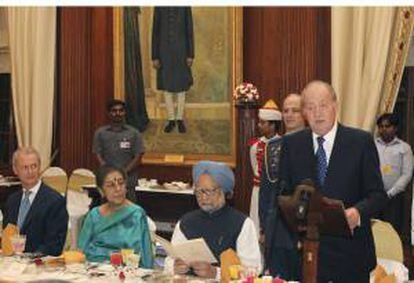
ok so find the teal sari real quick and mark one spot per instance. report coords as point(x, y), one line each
point(126, 228)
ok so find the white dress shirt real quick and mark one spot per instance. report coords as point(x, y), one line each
point(328, 143)
point(33, 191)
point(396, 160)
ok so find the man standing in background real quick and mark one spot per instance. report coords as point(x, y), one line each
point(269, 125)
point(292, 113)
point(279, 253)
point(119, 145)
point(396, 160)
point(293, 121)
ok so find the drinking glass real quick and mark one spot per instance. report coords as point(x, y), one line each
point(116, 259)
point(125, 253)
point(18, 243)
point(133, 260)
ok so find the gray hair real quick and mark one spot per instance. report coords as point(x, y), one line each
point(25, 150)
point(326, 85)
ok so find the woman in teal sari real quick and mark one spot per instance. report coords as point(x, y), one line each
point(117, 224)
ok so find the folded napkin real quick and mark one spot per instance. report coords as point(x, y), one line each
point(8, 233)
point(227, 259)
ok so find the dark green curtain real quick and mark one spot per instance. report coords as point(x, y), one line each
point(137, 115)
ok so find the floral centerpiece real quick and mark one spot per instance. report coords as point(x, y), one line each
point(246, 93)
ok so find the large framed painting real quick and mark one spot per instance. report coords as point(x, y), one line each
point(208, 42)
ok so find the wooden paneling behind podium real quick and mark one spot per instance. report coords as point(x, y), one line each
point(283, 49)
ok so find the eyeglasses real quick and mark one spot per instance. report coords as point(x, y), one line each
point(113, 184)
point(205, 192)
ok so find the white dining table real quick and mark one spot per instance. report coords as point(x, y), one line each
point(15, 269)
point(164, 191)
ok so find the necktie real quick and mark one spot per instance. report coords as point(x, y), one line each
point(24, 209)
point(321, 160)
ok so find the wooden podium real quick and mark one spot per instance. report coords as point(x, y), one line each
point(310, 214)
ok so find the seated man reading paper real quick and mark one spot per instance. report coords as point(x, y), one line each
point(221, 226)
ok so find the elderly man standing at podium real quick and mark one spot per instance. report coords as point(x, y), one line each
point(343, 164)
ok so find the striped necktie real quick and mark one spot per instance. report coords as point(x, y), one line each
point(24, 209)
point(322, 162)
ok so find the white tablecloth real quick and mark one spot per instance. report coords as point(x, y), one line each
point(22, 270)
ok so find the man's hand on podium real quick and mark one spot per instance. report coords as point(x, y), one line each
point(353, 218)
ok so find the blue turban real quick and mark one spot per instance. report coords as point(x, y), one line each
point(219, 171)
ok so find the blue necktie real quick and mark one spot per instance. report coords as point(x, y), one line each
point(24, 209)
point(321, 160)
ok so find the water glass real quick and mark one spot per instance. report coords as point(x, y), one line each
point(125, 253)
point(18, 243)
point(132, 260)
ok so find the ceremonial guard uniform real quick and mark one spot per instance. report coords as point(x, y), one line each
point(269, 112)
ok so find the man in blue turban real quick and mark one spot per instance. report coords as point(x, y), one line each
point(221, 226)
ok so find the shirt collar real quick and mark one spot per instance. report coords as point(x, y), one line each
point(263, 138)
point(394, 141)
point(34, 189)
point(328, 137)
point(123, 127)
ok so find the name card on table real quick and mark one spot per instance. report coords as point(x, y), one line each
point(174, 158)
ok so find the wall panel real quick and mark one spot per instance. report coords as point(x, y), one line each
point(85, 78)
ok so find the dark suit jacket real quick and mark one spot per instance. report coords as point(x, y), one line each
point(172, 44)
point(46, 223)
point(354, 177)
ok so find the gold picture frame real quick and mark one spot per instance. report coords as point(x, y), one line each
point(225, 37)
